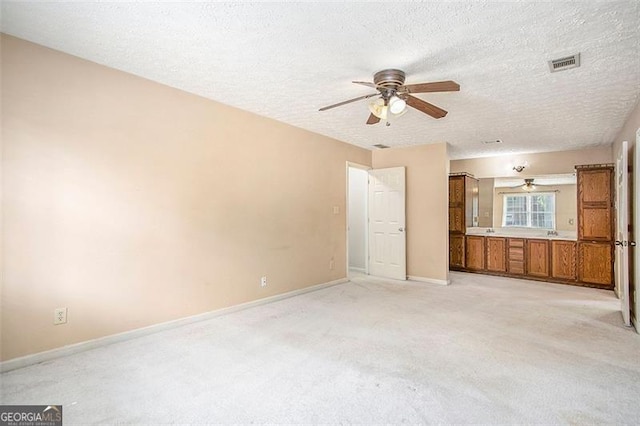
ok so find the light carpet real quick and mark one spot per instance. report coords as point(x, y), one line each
point(482, 350)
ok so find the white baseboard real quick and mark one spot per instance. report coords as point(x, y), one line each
point(429, 280)
point(635, 324)
point(354, 269)
point(39, 357)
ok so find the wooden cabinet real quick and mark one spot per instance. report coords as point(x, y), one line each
point(595, 203)
point(456, 251)
point(463, 213)
point(538, 258)
point(456, 220)
point(595, 263)
point(456, 204)
point(587, 262)
point(515, 256)
point(474, 252)
point(563, 259)
point(463, 202)
point(496, 254)
point(595, 225)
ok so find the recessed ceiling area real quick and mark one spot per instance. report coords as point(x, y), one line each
point(286, 60)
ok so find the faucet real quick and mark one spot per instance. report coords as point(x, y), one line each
point(490, 231)
point(552, 233)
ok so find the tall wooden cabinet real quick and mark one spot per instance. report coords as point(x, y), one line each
point(463, 213)
point(595, 224)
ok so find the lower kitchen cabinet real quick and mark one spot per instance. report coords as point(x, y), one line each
point(595, 263)
point(456, 251)
point(474, 252)
point(538, 258)
point(496, 254)
point(563, 260)
point(586, 263)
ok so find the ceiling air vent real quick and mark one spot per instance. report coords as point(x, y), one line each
point(380, 146)
point(491, 141)
point(566, 63)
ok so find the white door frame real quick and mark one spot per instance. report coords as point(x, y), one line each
point(350, 164)
point(636, 235)
point(622, 232)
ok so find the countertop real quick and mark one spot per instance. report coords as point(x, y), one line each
point(522, 233)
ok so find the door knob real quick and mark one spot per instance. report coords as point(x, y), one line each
point(632, 243)
point(401, 229)
point(618, 243)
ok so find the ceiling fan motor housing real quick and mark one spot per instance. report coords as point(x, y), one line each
point(390, 78)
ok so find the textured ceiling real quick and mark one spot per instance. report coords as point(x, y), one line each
point(285, 60)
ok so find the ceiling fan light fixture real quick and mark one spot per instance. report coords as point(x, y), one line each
point(397, 105)
point(379, 109)
point(528, 185)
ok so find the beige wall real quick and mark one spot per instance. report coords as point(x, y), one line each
point(539, 164)
point(426, 206)
point(566, 205)
point(132, 203)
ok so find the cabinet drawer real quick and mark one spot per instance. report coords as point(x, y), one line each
point(516, 242)
point(516, 267)
point(516, 253)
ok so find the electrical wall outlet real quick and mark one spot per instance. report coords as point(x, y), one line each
point(263, 281)
point(59, 316)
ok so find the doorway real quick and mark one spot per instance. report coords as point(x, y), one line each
point(357, 217)
point(376, 238)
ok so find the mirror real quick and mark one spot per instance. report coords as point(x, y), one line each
point(492, 192)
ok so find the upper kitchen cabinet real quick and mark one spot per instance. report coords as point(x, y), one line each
point(463, 214)
point(463, 203)
point(595, 203)
point(595, 225)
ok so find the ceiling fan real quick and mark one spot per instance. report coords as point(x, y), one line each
point(528, 185)
point(394, 96)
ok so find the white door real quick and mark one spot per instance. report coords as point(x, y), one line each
point(622, 233)
point(387, 237)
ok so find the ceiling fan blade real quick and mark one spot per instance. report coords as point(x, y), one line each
point(424, 106)
point(373, 119)
point(366, 83)
point(438, 86)
point(348, 102)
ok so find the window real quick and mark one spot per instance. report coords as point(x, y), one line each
point(529, 210)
